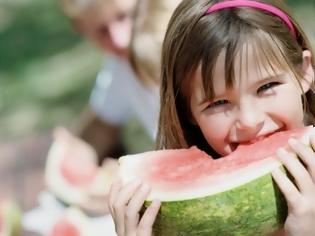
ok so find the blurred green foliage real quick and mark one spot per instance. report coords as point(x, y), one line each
point(46, 69)
point(33, 30)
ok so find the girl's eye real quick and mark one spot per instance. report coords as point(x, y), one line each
point(267, 86)
point(218, 103)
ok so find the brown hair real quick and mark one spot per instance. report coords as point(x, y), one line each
point(193, 39)
point(149, 28)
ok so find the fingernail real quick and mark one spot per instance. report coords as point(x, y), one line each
point(145, 187)
point(137, 182)
point(293, 142)
point(281, 152)
point(276, 172)
point(156, 203)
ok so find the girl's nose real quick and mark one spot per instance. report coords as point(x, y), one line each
point(250, 116)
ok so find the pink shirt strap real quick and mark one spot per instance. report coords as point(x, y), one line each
point(253, 4)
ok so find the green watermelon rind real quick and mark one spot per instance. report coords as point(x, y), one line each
point(255, 208)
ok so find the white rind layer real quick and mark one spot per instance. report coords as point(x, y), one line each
point(223, 183)
point(129, 166)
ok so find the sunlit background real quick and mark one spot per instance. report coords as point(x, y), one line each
point(46, 74)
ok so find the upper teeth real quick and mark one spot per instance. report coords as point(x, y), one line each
point(256, 139)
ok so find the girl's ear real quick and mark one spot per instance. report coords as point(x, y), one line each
point(308, 71)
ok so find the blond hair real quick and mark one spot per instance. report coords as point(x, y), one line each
point(150, 23)
point(76, 8)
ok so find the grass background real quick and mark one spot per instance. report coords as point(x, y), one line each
point(47, 71)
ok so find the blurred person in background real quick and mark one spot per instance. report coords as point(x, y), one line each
point(118, 96)
point(108, 24)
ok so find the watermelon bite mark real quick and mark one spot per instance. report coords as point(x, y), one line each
point(174, 169)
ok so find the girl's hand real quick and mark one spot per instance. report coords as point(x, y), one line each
point(125, 203)
point(300, 198)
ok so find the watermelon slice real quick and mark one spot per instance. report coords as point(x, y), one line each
point(72, 172)
point(10, 219)
point(65, 228)
point(72, 223)
point(233, 195)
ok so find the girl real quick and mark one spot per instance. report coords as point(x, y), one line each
point(233, 72)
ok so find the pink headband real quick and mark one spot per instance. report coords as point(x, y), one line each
point(258, 5)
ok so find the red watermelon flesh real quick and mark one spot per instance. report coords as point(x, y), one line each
point(78, 171)
point(249, 153)
point(176, 170)
point(64, 228)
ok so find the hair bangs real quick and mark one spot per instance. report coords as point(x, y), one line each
point(248, 44)
point(272, 57)
point(224, 38)
point(232, 46)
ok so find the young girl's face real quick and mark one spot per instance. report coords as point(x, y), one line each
point(263, 100)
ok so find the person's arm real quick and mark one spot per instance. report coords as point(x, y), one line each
point(103, 136)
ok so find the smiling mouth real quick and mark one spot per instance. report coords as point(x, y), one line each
point(234, 145)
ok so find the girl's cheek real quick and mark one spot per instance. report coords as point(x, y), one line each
point(217, 128)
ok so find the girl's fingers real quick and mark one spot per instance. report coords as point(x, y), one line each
point(113, 193)
point(306, 154)
point(148, 218)
point(288, 189)
point(134, 207)
point(120, 205)
point(297, 170)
